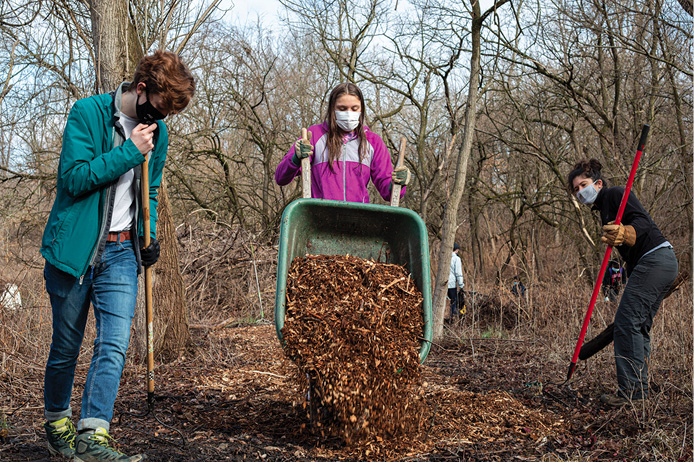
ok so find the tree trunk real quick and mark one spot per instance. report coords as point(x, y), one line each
point(170, 314)
point(450, 214)
point(110, 24)
point(171, 324)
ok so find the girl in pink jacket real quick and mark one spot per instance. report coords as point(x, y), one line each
point(344, 153)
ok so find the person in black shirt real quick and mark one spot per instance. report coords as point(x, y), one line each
point(517, 288)
point(613, 281)
point(651, 266)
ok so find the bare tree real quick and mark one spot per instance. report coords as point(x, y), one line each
point(450, 218)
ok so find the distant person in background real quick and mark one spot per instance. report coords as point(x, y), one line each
point(612, 281)
point(517, 289)
point(651, 267)
point(93, 242)
point(344, 153)
point(455, 277)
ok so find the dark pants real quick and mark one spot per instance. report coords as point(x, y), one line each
point(612, 293)
point(453, 295)
point(647, 286)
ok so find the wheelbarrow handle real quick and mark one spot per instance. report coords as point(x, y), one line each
point(305, 169)
point(395, 194)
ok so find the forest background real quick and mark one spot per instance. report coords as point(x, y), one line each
point(496, 103)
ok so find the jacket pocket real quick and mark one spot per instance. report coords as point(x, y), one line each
point(65, 224)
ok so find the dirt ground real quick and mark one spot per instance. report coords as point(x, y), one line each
point(487, 400)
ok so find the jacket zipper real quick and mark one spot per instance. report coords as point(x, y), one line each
point(107, 219)
point(344, 173)
point(104, 221)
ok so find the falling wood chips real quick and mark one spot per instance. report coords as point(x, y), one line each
point(354, 328)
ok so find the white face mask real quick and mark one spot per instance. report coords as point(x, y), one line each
point(347, 120)
point(588, 194)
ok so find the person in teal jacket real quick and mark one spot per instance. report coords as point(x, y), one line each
point(92, 244)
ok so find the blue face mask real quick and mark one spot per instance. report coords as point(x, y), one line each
point(587, 195)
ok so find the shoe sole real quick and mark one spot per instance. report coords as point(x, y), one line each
point(55, 453)
point(77, 459)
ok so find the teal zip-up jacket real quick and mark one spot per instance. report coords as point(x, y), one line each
point(93, 157)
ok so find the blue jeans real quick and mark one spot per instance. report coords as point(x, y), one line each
point(111, 287)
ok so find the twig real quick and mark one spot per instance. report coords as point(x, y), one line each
point(501, 339)
point(216, 326)
point(257, 283)
point(390, 285)
point(434, 343)
point(264, 373)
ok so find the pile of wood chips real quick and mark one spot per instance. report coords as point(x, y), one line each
point(354, 328)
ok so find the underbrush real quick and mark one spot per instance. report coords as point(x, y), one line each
point(229, 280)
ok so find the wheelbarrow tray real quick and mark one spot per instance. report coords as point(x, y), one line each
point(378, 232)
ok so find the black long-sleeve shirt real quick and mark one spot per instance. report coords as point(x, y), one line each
point(648, 236)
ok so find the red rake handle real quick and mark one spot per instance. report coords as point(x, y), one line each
point(608, 252)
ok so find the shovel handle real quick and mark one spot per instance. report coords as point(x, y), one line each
point(305, 169)
point(148, 279)
point(395, 195)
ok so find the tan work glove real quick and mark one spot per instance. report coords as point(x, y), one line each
point(616, 235)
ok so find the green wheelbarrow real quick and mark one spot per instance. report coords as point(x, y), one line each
point(379, 232)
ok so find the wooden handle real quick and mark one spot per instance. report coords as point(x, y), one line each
point(305, 169)
point(148, 278)
point(395, 195)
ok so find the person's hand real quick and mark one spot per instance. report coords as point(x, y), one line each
point(150, 254)
point(401, 176)
point(302, 150)
point(616, 235)
point(143, 137)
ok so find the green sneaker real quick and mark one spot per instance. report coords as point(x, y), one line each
point(61, 437)
point(97, 446)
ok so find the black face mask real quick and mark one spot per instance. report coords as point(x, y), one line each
point(147, 113)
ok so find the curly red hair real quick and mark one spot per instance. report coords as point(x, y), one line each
point(165, 74)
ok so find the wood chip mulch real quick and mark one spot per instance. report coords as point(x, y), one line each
point(354, 327)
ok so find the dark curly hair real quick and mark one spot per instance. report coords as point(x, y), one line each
point(588, 169)
point(165, 74)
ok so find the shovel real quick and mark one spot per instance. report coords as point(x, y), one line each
point(395, 195)
point(305, 168)
point(148, 288)
point(149, 313)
